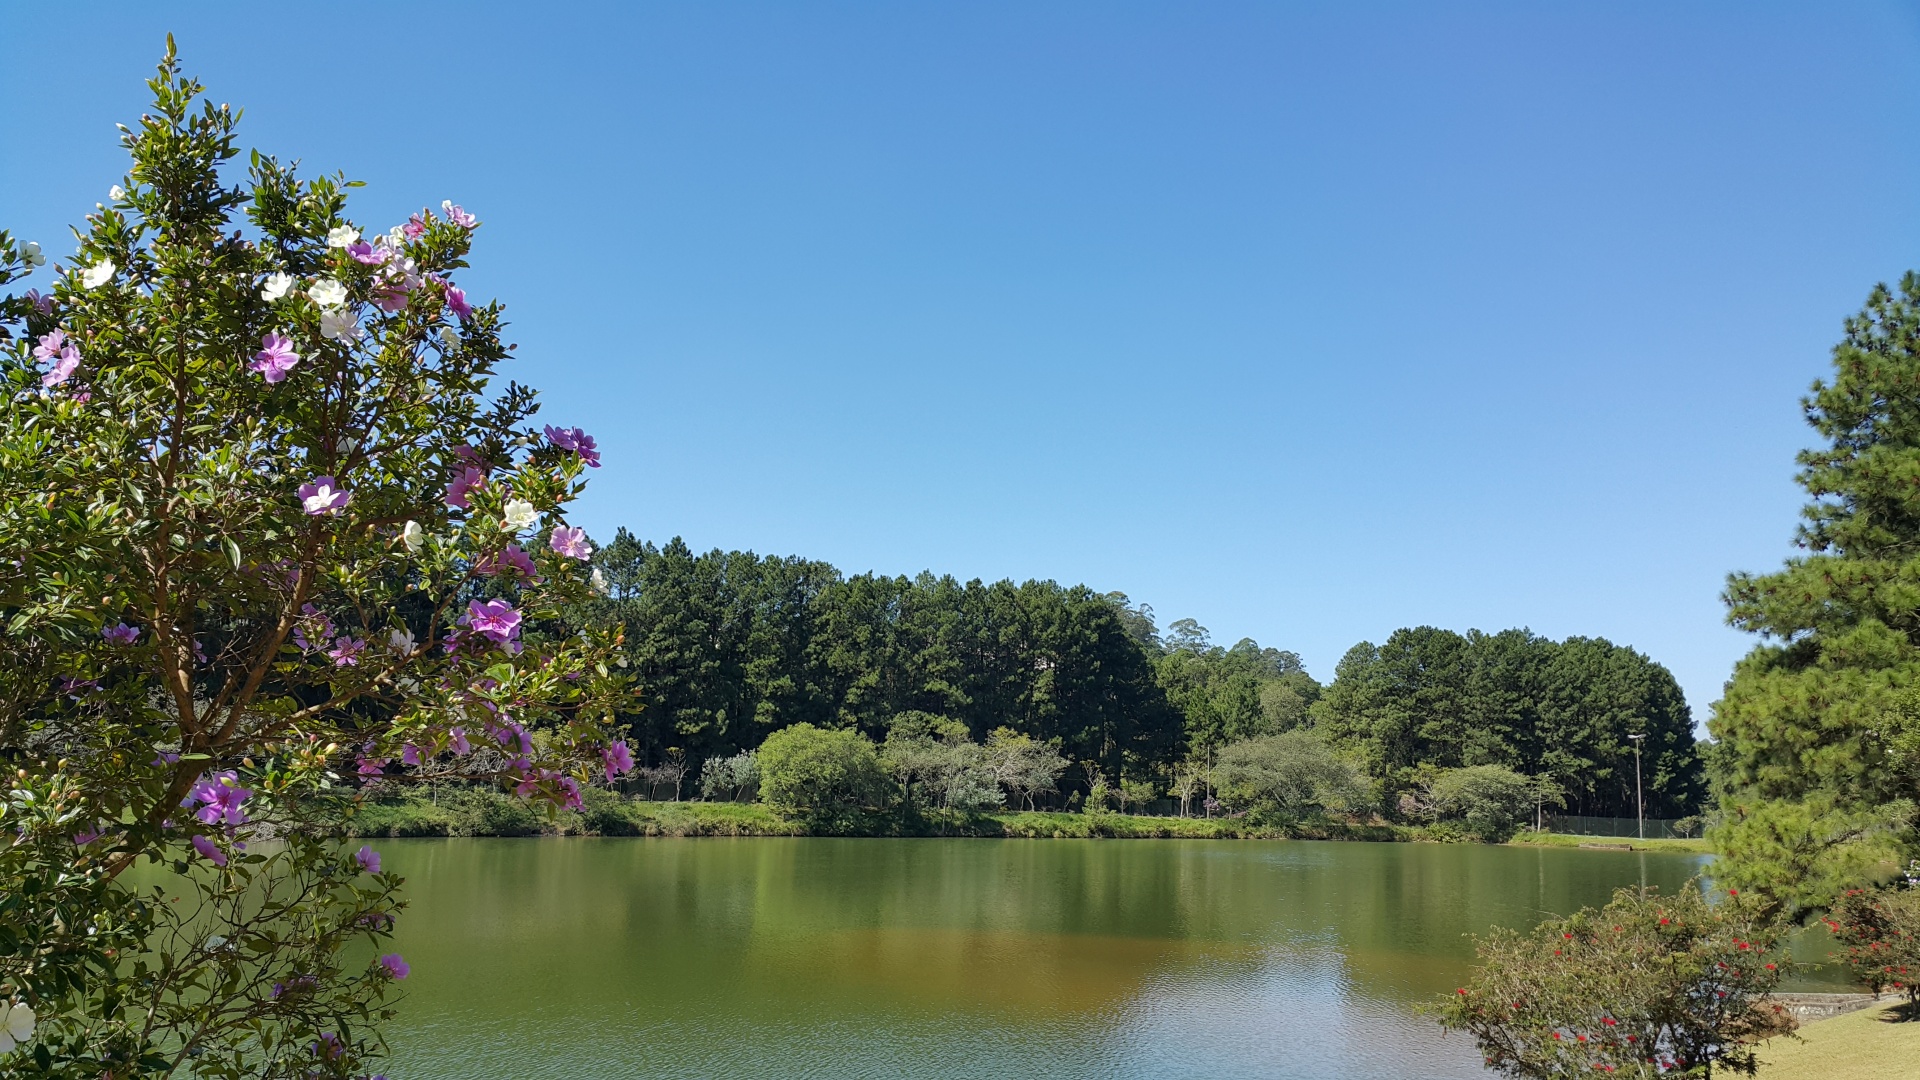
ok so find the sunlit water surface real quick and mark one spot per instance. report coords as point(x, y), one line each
point(950, 959)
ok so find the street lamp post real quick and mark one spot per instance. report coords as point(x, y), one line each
point(1639, 796)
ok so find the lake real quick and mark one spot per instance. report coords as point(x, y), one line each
point(928, 958)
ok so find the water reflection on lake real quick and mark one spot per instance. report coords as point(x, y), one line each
point(786, 958)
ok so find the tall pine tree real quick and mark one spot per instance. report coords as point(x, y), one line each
point(1812, 803)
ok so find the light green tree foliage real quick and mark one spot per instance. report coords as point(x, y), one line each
point(1291, 773)
point(820, 774)
point(938, 765)
point(232, 572)
point(1023, 765)
point(1814, 789)
point(1489, 801)
point(734, 777)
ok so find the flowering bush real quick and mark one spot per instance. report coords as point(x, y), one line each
point(1879, 934)
point(1646, 986)
point(267, 534)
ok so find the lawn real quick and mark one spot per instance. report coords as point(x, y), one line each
point(1542, 839)
point(1864, 1045)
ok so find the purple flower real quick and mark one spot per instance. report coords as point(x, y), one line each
point(328, 1046)
point(575, 440)
point(366, 253)
point(391, 296)
point(212, 854)
point(164, 759)
point(346, 651)
point(121, 634)
point(42, 302)
point(395, 966)
point(63, 368)
point(456, 215)
point(313, 629)
point(275, 358)
point(410, 755)
point(220, 797)
point(323, 496)
point(85, 837)
point(571, 542)
point(618, 759)
point(458, 744)
point(510, 559)
point(77, 688)
point(468, 478)
point(370, 766)
point(368, 859)
point(457, 302)
point(496, 619)
point(52, 343)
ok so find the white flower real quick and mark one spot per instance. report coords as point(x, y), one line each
point(16, 1024)
point(33, 255)
point(520, 514)
point(215, 943)
point(116, 193)
point(397, 237)
point(341, 235)
point(276, 286)
point(412, 536)
point(599, 582)
point(327, 292)
point(448, 339)
point(98, 274)
point(401, 641)
point(338, 324)
point(321, 501)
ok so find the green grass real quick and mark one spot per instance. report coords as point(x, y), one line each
point(1543, 839)
point(1867, 1045)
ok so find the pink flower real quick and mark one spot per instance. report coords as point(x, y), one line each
point(575, 440)
point(396, 967)
point(346, 651)
point(121, 634)
point(51, 344)
point(571, 542)
point(275, 358)
point(512, 558)
point(457, 302)
point(456, 215)
point(322, 496)
point(390, 296)
point(62, 369)
point(468, 478)
point(458, 743)
point(213, 854)
point(368, 859)
point(416, 226)
point(496, 619)
point(617, 759)
point(369, 766)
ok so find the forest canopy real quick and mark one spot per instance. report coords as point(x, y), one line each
point(727, 647)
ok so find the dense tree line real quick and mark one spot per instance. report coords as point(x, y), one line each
point(1562, 710)
point(729, 647)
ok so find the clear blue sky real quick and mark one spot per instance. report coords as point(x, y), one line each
point(1306, 321)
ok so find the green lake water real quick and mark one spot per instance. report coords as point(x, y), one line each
point(1002, 959)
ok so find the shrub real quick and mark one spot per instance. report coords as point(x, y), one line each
point(1880, 932)
point(821, 775)
point(1292, 772)
point(737, 777)
point(1490, 801)
point(1648, 985)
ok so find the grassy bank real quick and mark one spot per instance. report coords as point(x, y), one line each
point(452, 811)
point(1867, 1045)
point(1545, 839)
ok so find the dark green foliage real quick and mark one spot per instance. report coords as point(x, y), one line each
point(1562, 710)
point(1814, 763)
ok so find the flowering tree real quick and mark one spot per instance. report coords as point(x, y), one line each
point(1879, 931)
point(267, 533)
point(1646, 986)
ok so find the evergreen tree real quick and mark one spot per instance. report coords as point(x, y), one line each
point(1811, 797)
